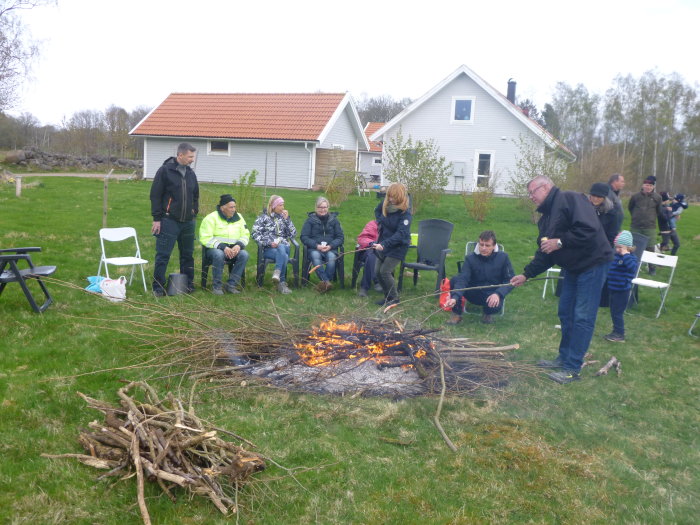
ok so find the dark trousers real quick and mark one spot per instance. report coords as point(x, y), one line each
point(370, 261)
point(618, 305)
point(172, 232)
point(385, 274)
point(477, 297)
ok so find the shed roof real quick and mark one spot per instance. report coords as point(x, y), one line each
point(262, 116)
point(374, 145)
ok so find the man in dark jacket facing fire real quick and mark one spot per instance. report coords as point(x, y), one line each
point(571, 236)
point(174, 206)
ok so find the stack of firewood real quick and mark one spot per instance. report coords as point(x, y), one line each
point(168, 445)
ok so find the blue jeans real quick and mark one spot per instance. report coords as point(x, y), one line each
point(281, 257)
point(218, 259)
point(618, 304)
point(318, 259)
point(172, 231)
point(578, 309)
point(477, 297)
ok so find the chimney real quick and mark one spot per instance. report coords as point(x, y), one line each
point(511, 90)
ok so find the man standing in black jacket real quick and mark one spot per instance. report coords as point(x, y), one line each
point(174, 206)
point(571, 236)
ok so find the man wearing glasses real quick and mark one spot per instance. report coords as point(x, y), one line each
point(571, 236)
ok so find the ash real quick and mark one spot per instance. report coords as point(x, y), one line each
point(346, 376)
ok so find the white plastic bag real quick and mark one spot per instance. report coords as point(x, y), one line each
point(114, 289)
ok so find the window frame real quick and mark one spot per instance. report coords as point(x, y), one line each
point(453, 107)
point(492, 163)
point(211, 151)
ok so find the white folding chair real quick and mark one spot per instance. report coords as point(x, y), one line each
point(657, 259)
point(117, 235)
point(550, 273)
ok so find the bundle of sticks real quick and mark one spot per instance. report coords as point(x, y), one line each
point(166, 444)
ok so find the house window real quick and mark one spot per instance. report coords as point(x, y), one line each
point(484, 168)
point(377, 160)
point(218, 147)
point(463, 110)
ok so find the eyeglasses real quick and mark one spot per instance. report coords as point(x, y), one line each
point(533, 191)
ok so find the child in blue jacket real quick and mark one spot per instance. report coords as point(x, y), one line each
point(622, 270)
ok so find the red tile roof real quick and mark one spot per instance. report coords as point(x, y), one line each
point(272, 116)
point(370, 128)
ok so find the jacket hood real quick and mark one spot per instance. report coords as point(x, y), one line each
point(170, 160)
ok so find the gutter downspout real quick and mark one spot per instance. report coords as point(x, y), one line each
point(309, 182)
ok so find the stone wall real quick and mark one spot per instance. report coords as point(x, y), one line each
point(43, 161)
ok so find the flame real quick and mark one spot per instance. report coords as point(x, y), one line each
point(332, 341)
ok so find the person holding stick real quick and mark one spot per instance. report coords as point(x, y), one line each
point(571, 236)
point(394, 219)
point(486, 266)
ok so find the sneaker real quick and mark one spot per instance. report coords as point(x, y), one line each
point(547, 363)
point(190, 288)
point(362, 293)
point(158, 293)
point(380, 302)
point(323, 286)
point(283, 288)
point(387, 302)
point(231, 288)
point(487, 319)
point(615, 338)
point(276, 276)
point(455, 319)
point(564, 376)
point(217, 291)
point(378, 288)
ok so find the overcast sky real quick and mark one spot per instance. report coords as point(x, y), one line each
point(135, 52)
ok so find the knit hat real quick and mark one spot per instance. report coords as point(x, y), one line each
point(225, 199)
point(600, 189)
point(664, 195)
point(624, 238)
point(650, 180)
point(680, 197)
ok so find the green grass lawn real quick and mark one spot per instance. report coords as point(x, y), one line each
point(606, 449)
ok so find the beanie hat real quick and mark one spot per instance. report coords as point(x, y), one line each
point(225, 199)
point(664, 195)
point(650, 180)
point(680, 197)
point(624, 238)
point(600, 189)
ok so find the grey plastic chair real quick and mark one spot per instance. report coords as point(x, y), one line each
point(433, 241)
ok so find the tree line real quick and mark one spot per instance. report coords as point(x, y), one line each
point(85, 133)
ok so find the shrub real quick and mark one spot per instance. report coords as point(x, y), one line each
point(247, 195)
point(418, 166)
point(341, 185)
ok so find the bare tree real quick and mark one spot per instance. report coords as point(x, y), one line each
point(16, 53)
point(380, 109)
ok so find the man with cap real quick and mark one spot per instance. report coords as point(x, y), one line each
point(174, 207)
point(225, 235)
point(645, 208)
point(571, 236)
point(616, 182)
point(605, 209)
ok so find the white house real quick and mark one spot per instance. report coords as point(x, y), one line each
point(293, 140)
point(476, 129)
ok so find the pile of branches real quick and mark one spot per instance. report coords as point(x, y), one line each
point(166, 444)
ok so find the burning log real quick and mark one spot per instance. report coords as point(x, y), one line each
point(165, 444)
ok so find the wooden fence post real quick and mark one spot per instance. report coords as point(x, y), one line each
point(18, 185)
point(104, 200)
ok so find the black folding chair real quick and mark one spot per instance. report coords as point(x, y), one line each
point(9, 258)
point(433, 238)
